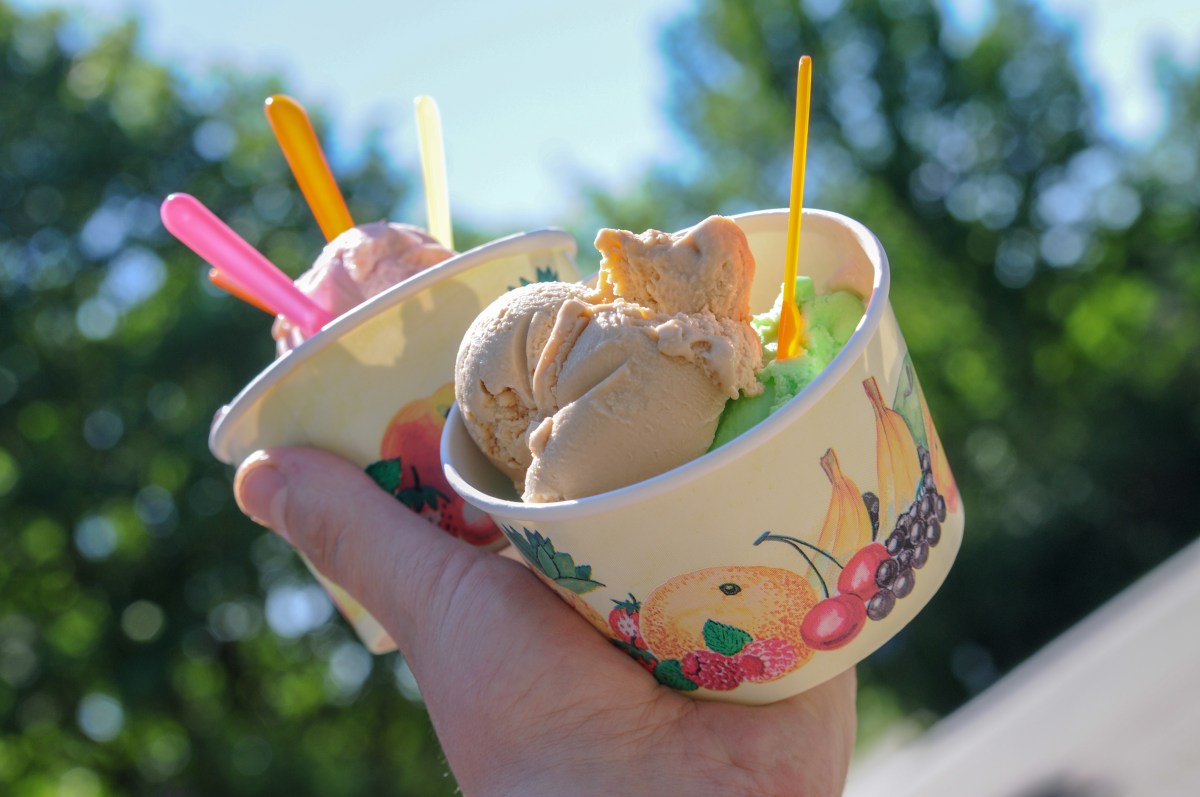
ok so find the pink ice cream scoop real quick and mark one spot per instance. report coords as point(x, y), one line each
point(358, 264)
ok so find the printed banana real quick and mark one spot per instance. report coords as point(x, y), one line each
point(847, 524)
point(896, 458)
point(942, 477)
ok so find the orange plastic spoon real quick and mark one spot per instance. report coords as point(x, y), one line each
point(298, 140)
point(790, 322)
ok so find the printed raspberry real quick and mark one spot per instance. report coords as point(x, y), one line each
point(712, 670)
point(766, 659)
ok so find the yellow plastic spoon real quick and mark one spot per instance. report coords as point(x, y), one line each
point(433, 170)
point(298, 140)
point(790, 321)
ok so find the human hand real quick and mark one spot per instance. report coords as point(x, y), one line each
point(541, 704)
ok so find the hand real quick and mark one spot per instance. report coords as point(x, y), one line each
point(525, 696)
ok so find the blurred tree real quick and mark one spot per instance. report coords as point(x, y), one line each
point(1044, 275)
point(149, 634)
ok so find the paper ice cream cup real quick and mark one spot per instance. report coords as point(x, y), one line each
point(754, 572)
point(374, 386)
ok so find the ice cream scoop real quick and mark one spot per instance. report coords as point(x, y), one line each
point(574, 391)
point(358, 264)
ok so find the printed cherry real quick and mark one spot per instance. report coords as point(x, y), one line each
point(834, 622)
point(858, 576)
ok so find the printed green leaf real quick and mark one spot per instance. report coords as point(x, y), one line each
point(545, 561)
point(547, 274)
point(386, 473)
point(669, 673)
point(578, 585)
point(725, 639)
point(633, 650)
point(564, 564)
point(417, 498)
point(521, 543)
point(558, 567)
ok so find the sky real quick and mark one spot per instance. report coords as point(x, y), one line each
point(536, 96)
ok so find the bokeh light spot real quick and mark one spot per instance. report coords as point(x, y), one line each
point(100, 717)
point(214, 140)
point(10, 473)
point(96, 319)
point(293, 611)
point(103, 429)
point(349, 667)
point(142, 621)
point(96, 537)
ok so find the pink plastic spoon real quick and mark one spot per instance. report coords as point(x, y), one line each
point(212, 239)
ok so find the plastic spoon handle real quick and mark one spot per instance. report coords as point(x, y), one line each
point(223, 282)
point(433, 170)
point(790, 320)
point(294, 131)
point(201, 231)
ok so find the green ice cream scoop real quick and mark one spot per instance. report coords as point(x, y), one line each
point(829, 321)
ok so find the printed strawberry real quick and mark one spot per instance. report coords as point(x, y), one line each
point(766, 659)
point(623, 619)
point(712, 670)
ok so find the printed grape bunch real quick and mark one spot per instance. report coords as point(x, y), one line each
point(907, 547)
point(875, 576)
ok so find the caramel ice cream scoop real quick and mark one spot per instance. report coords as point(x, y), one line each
point(574, 391)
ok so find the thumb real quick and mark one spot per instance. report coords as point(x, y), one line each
point(392, 561)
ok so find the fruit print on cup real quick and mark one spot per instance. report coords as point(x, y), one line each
point(410, 468)
point(851, 521)
point(559, 571)
point(878, 574)
point(896, 459)
point(540, 274)
point(910, 403)
point(717, 628)
point(720, 626)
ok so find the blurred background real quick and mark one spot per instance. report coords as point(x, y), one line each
point(1035, 187)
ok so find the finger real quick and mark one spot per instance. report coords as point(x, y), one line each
point(390, 559)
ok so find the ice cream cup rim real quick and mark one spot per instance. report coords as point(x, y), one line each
point(402, 291)
point(740, 446)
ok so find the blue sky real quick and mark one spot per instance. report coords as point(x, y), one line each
point(536, 93)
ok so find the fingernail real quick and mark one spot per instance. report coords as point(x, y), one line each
point(262, 493)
